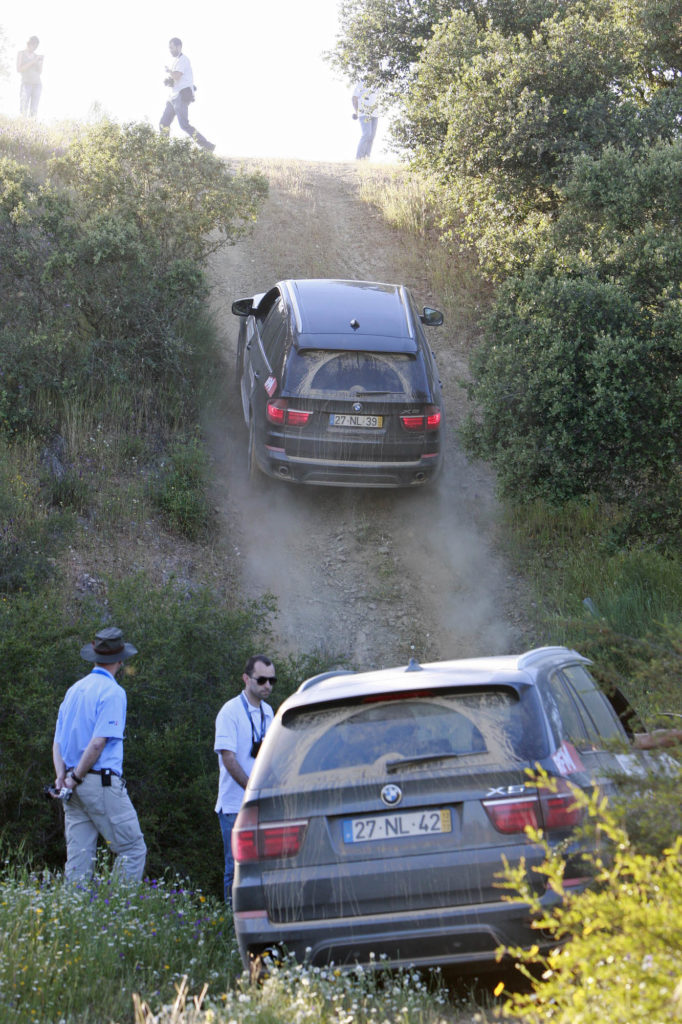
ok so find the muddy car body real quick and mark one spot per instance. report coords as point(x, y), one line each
point(382, 805)
point(339, 385)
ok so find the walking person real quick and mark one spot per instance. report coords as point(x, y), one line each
point(30, 67)
point(88, 759)
point(180, 81)
point(364, 107)
point(240, 727)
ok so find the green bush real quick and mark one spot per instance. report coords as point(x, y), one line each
point(103, 269)
point(180, 494)
point(618, 956)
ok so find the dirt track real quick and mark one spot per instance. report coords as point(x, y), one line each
point(368, 577)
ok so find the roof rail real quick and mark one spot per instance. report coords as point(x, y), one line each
point(538, 653)
point(314, 680)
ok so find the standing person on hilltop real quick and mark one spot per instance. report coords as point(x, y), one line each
point(240, 727)
point(30, 67)
point(364, 111)
point(88, 759)
point(180, 81)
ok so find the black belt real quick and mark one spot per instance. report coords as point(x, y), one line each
point(103, 771)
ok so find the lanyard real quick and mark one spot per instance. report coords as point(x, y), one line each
point(254, 735)
point(101, 672)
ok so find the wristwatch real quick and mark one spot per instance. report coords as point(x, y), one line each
point(75, 777)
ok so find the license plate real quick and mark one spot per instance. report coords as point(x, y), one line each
point(397, 826)
point(348, 419)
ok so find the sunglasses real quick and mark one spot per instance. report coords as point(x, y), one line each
point(262, 680)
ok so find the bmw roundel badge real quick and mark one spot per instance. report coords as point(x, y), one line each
point(391, 795)
point(357, 406)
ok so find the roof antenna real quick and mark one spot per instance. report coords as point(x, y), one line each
point(354, 324)
point(413, 665)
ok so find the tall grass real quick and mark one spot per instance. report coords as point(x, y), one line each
point(574, 568)
point(407, 201)
point(76, 953)
point(313, 995)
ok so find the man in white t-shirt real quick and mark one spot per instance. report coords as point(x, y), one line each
point(240, 727)
point(365, 111)
point(180, 81)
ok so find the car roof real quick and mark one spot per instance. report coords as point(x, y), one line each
point(365, 316)
point(519, 671)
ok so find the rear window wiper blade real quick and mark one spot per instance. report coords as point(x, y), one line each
point(392, 766)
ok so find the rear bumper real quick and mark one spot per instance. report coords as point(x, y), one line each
point(342, 473)
point(461, 935)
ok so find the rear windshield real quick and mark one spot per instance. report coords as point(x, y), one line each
point(319, 374)
point(439, 733)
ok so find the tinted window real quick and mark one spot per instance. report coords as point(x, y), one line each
point(562, 711)
point(599, 717)
point(469, 730)
point(321, 374)
point(273, 333)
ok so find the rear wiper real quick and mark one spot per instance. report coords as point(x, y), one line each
point(392, 766)
point(356, 390)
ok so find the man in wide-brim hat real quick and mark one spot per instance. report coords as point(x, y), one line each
point(88, 759)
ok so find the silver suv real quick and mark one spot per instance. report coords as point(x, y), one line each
point(382, 804)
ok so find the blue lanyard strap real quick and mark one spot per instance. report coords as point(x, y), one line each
point(101, 672)
point(254, 735)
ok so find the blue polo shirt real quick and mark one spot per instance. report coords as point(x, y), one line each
point(94, 706)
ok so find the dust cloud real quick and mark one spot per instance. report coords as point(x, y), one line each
point(367, 578)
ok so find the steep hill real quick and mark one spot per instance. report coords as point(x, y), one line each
point(369, 576)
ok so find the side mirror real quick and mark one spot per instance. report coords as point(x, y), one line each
point(242, 307)
point(431, 317)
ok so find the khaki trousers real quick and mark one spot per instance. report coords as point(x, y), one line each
point(96, 810)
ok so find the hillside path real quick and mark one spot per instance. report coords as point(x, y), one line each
point(366, 577)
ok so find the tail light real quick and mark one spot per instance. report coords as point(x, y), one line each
point(428, 420)
point(279, 413)
point(252, 841)
point(544, 809)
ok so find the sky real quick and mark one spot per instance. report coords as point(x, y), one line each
point(263, 88)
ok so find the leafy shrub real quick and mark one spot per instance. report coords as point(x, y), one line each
point(575, 390)
point(622, 955)
point(103, 268)
point(180, 494)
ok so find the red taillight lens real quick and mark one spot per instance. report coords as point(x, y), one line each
point(252, 842)
point(297, 417)
point(282, 839)
point(543, 809)
point(514, 815)
point(412, 422)
point(433, 417)
point(276, 411)
point(560, 810)
point(279, 413)
point(245, 835)
point(428, 420)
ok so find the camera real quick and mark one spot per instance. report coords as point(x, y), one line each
point(169, 81)
point(63, 794)
point(255, 747)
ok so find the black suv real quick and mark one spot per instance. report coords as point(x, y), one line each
point(383, 804)
point(339, 385)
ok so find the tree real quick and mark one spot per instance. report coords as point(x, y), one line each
point(382, 40)
point(577, 382)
